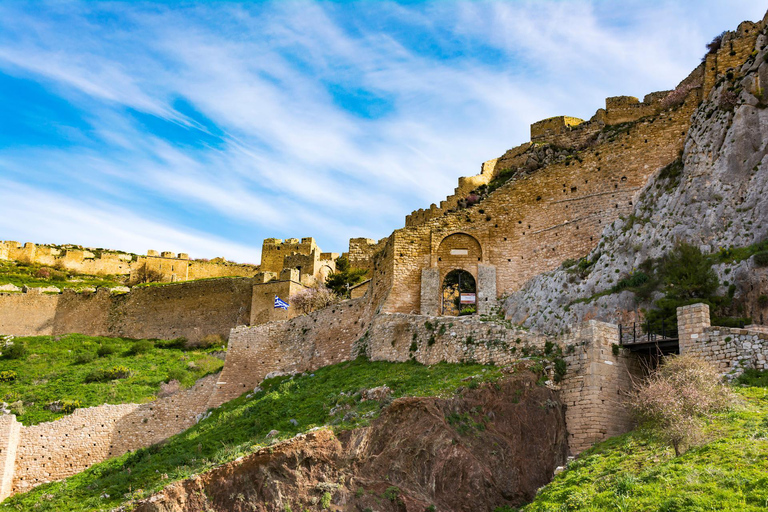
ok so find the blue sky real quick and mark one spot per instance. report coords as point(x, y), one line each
point(204, 127)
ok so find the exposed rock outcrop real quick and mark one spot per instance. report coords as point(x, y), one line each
point(488, 447)
point(718, 198)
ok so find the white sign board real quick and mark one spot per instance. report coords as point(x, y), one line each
point(467, 298)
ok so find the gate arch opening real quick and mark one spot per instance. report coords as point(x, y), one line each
point(459, 293)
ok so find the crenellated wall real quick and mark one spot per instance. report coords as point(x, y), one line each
point(169, 266)
point(535, 222)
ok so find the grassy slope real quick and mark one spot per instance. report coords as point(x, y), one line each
point(50, 372)
point(20, 274)
point(241, 426)
point(635, 473)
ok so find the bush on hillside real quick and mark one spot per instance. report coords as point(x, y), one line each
point(105, 350)
point(84, 357)
point(672, 402)
point(8, 376)
point(114, 373)
point(15, 350)
point(169, 388)
point(177, 343)
point(209, 341)
point(140, 347)
point(761, 259)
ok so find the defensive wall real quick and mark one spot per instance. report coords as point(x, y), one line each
point(192, 310)
point(54, 450)
point(171, 267)
point(304, 255)
point(534, 223)
point(731, 350)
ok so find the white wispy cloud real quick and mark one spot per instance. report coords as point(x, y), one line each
point(269, 150)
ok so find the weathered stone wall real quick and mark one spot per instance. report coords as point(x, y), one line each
point(304, 343)
point(9, 440)
point(172, 267)
point(735, 48)
point(430, 340)
point(193, 310)
point(596, 383)
point(55, 450)
point(542, 130)
point(730, 350)
point(263, 300)
point(534, 223)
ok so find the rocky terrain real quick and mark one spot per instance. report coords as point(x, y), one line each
point(489, 447)
point(714, 198)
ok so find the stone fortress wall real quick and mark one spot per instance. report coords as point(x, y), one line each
point(526, 227)
point(192, 310)
point(731, 350)
point(534, 223)
point(172, 267)
point(55, 450)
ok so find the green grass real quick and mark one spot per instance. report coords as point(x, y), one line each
point(240, 427)
point(51, 372)
point(635, 473)
point(21, 274)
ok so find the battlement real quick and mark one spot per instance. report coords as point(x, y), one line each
point(540, 130)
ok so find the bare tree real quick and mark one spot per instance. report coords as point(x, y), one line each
point(311, 299)
point(672, 402)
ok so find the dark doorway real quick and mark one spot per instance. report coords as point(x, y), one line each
point(459, 293)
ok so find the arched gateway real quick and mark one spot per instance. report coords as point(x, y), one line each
point(457, 279)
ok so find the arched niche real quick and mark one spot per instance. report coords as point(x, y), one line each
point(459, 250)
point(459, 293)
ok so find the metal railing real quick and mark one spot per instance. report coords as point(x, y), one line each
point(637, 334)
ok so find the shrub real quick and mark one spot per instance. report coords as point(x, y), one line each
point(17, 407)
point(105, 350)
point(560, 369)
point(716, 43)
point(728, 101)
point(114, 373)
point(43, 273)
point(761, 259)
point(177, 343)
point(310, 299)
point(84, 357)
point(762, 301)
point(8, 376)
point(69, 406)
point(325, 501)
point(15, 350)
point(674, 399)
point(209, 341)
point(392, 493)
point(176, 374)
point(140, 347)
point(169, 388)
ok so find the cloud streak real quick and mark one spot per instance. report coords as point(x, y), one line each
point(236, 122)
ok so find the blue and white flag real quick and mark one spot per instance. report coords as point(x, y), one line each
point(280, 303)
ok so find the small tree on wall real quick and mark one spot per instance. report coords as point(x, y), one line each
point(344, 277)
point(311, 299)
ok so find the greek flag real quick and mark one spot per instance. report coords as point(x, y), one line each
point(280, 303)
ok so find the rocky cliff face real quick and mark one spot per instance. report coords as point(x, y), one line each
point(716, 198)
point(489, 447)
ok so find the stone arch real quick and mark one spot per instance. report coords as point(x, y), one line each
point(458, 284)
point(459, 250)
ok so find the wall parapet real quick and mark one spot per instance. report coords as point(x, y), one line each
point(731, 350)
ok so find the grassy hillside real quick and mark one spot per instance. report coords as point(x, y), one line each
point(635, 473)
point(241, 426)
point(58, 369)
point(33, 275)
